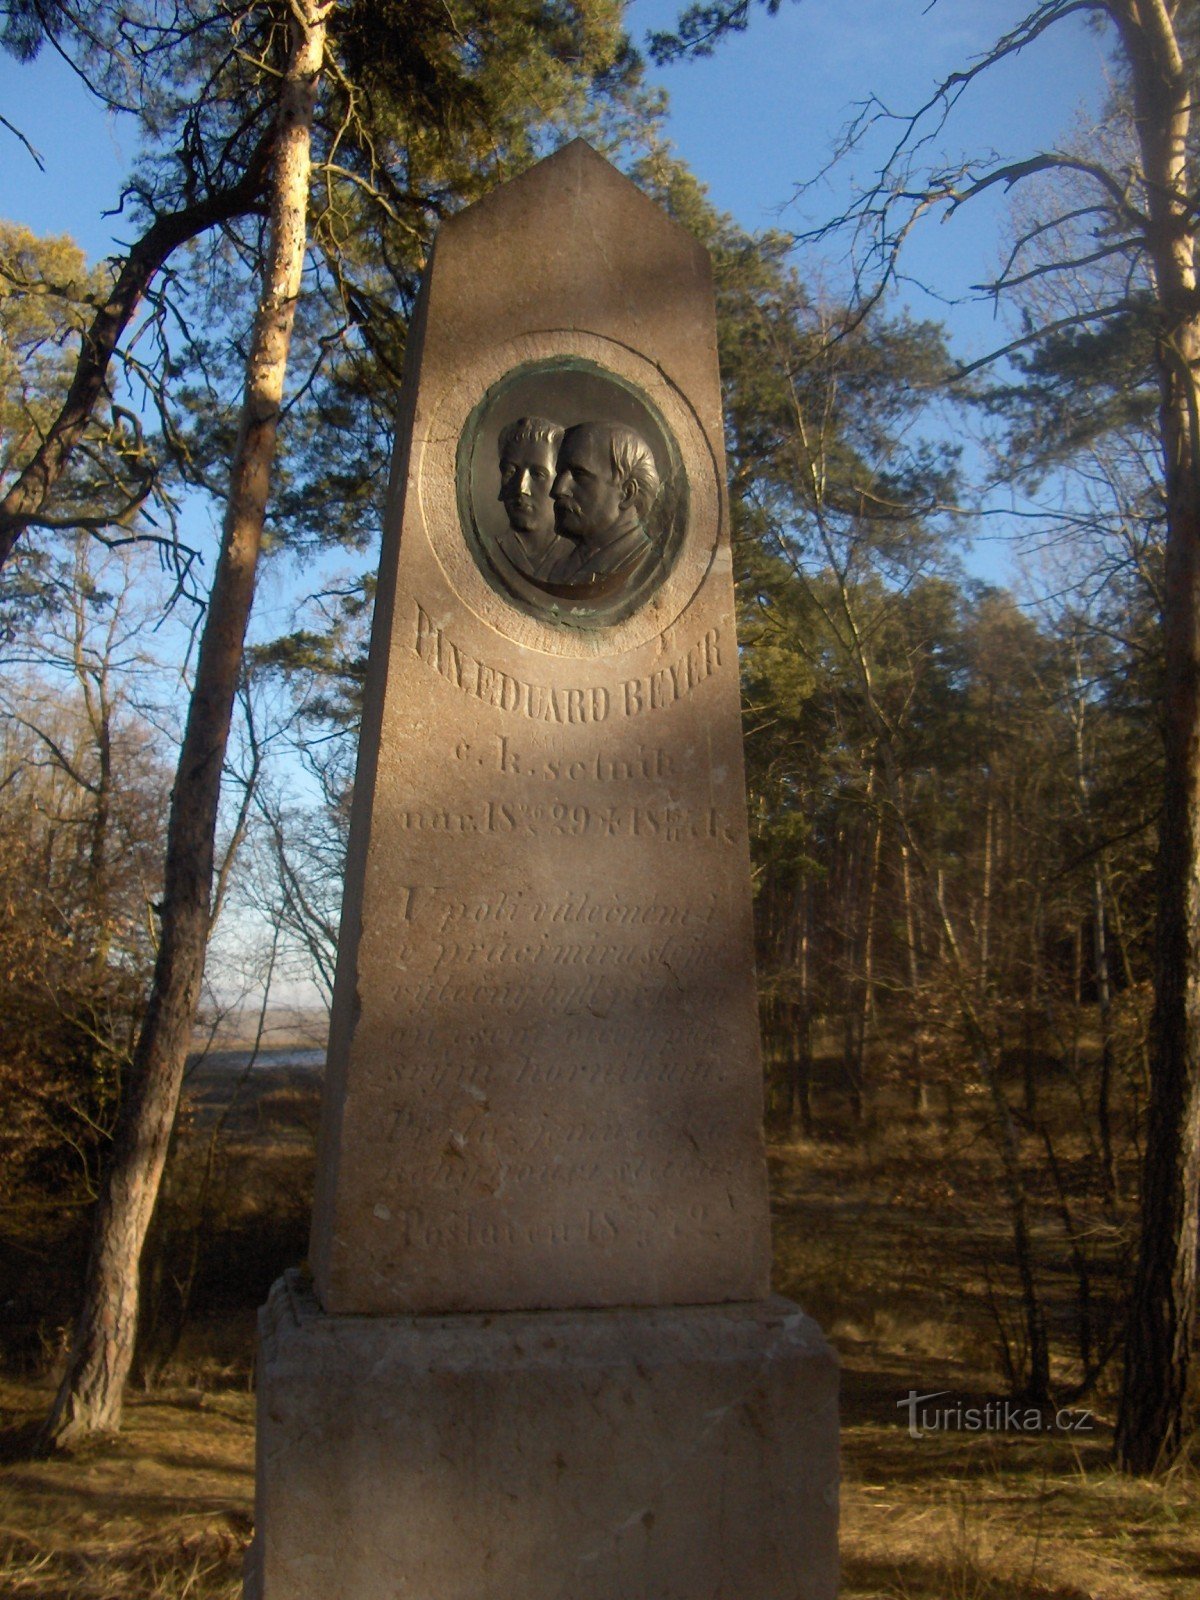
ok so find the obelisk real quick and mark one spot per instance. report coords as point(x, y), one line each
point(538, 1356)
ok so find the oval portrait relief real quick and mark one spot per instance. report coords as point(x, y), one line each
point(571, 492)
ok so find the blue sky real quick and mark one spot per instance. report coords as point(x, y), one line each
point(764, 113)
point(753, 121)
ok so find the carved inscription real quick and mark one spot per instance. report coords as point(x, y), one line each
point(671, 824)
point(545, 1087)
point(521, 1020)
point(588, 1225)
point(567, 978)
point(521, 933)
point(542, 703)
point(651, 763)
point(665, 685)
point(514, 904)
point(463, 1064)
point(457, 1229)
point(487, 1154)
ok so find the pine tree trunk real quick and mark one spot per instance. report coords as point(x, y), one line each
point(917, 1085)
point(980, 1033)
point(1108, 1160)
point(1153, 1421)
point(90, 1397)
point(1032, 1013)
point(985, 900)
point(802, 1016)
point(865, 1007)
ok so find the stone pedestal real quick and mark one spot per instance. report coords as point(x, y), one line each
point(684, 1453)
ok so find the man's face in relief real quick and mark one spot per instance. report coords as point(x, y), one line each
point(588, 493)
point(526, 477)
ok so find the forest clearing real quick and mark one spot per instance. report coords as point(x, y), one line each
point(508, 615)
point(891, 1235)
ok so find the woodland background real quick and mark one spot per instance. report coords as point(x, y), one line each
point(957, 790)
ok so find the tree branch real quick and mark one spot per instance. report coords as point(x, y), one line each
point(25, 499)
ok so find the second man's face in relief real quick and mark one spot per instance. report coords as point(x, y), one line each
point(589, 494)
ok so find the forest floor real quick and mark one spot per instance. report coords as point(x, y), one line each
point(892, 1236)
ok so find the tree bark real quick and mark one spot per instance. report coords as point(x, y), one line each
point(90, 1397)
point(1153, 1420)
point(918, 1087)
point(864, 1010)
point(802, 1014)
point(1108, 1162)
point(1029, 1068)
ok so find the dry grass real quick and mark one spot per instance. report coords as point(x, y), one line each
point(896, 1241)
point(891, 1240)
point(165, 1514)
point(1001, 1518)
point(164, 1511)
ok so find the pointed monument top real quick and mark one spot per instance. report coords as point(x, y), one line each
point(573, 244)
point(574, 180)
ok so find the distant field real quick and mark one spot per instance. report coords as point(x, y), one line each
point(282, 1028)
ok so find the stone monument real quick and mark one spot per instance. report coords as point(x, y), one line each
point(537, 1358)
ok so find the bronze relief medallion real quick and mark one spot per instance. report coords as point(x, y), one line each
point(571, 492)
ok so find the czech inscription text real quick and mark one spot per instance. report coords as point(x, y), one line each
point(633, 697)
point(525, 1028)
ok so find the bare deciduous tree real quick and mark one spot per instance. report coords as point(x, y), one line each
point(1144, 211)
